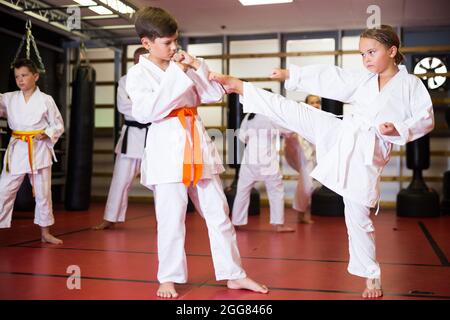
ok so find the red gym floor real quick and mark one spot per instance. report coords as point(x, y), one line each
point(309, 264)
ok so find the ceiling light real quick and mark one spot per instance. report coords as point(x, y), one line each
point(100, 10)
point(117, 5)
point(260, 2)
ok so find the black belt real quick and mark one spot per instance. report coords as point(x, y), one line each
point(134, 124)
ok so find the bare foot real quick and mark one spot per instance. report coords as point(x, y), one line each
point(229, 83)
point(283, 228)
point(48, 238)
point(305, 218)
point(306, 221)
point(373, 289)
point(167, 290)
point(248, 284)
point(104, 225)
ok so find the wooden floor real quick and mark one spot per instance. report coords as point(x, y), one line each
point(309, 264)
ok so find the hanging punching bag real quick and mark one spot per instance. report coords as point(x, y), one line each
point(81, 140)
point(445, 204)
point(325, 202)
point(418, 200)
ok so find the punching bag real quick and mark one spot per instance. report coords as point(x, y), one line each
point(325, 202)
point(235, 149)
point(418, 200)
point(445, 204)
point(81, 140)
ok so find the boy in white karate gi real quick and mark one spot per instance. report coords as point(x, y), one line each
point(260, 163)
point(390, 107)
point(165, 87)
point(301, 156)
point(129, 151)
point(36, 125)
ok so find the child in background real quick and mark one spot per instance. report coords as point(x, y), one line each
point(129, 151)
point(36, 125)
point(301, 156)
point(260, 163)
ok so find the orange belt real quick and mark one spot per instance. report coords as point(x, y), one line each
point(190, 153)
point(26, 136)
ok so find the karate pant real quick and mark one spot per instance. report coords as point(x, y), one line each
point(248, 176)
point(312, 125)
point(125, 170)
point(9, 186)
point(170, 205)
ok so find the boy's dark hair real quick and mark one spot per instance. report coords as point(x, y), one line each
point(152, 22)
point(26, 63)
point(387, 36)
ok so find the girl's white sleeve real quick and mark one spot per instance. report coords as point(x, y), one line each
point(326, 81)
point(421, 121)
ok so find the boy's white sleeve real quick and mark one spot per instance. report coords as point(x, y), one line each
point(243, 130)
point(3, 113)
point(55, 121)
point(208, 91)
point(123, 100)
point(326, 81)
point(420, 123)
point(153, 103)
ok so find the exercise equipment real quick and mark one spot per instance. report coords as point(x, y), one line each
point(81, 139)
point(418, 200)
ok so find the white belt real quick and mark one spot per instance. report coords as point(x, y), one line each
point(346, 144)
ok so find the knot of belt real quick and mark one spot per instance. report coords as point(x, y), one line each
point(134, 124)
point(26, 136)
point(192, 162)
point(347, 142)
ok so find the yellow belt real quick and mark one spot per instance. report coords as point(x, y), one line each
point(26, 136)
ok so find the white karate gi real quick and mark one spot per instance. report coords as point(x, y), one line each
point(154, 94)
point(127, 165)
point(301, 156)
point(351, 153)
point(39, 113)
point(260, 163)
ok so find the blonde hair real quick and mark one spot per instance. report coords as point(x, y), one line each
point(309, 96)
point(387, 36)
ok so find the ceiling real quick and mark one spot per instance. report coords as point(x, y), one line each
point(206, 17)
point(229, 17)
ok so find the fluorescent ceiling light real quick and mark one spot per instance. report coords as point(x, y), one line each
point(114, 4)
point(100, 10)
point(86, 2)
point(259, 2)
point(118, 6)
